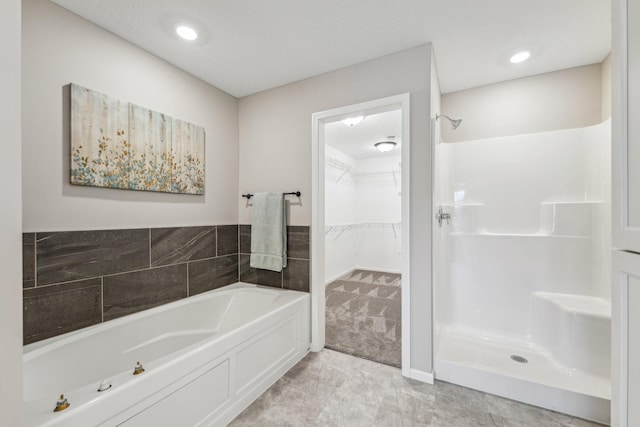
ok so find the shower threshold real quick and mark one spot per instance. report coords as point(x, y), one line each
point(468, 359)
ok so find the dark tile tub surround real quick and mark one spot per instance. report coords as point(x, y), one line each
point(74, 255)
point(28, 260)
point(55, 309)
point(213, 273)
point(74, 279)
point(132, 292)
point(182, 244)
point(227, 240)
point(298, 242)
point(258, 276)
point(295, 276)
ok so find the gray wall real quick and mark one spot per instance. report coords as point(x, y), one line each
point(10, 217)
point(275, 154)
point(59, 48)
point(552, 101)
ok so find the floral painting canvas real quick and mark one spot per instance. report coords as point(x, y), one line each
point(187, 154)
point(116, 144)
point(150, 161)
point(99, 147)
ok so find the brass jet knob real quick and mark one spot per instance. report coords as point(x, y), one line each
point(138, 369)
point(61, 404)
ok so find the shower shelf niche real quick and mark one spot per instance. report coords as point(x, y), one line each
point(567, 218)
point(521, 235)
point(556, 219)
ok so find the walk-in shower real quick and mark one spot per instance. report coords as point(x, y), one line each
point(521, 270)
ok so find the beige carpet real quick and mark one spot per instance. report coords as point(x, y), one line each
point(363, 316)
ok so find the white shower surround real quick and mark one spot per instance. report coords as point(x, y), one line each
point(363, 207)
point(523, 268)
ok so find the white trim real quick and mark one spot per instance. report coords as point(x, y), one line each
point(317, 240)
point(624, 264)
point(359, 267)
point(337, 276)
point(378, 270)
point(435, 234)
point(317, 216)
point(623, 295)
point(415, 374)
point(406, 236)
point(624, 235)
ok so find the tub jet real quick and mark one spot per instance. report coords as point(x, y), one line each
point(519, 359)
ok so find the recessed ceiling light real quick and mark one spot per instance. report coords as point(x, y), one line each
point(352, 121)
point(519, 57)
point(186, 33)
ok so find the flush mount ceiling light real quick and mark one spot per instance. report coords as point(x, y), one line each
point(352, 121)
point(385, 146)
point(186, 32)
point(519, 57)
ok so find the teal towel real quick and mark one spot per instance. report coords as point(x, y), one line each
point(268, 232)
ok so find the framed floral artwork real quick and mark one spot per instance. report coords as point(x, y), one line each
point(116, 144)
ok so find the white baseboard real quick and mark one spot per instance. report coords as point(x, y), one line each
point(414, 374)
point(315, 348)
point(379, 270)
point(336, 277)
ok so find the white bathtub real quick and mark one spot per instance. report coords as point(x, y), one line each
point(206, 358)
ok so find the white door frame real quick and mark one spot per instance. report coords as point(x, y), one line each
point(625, 235)
point(318, 120)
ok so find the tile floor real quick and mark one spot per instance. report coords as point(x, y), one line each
point(334, 389)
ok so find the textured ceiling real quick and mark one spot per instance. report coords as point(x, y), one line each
point(357, 141)
point(249, 46)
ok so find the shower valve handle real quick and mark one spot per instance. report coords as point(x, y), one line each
point(442, 216)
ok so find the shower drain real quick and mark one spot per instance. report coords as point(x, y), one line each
point(518, 359)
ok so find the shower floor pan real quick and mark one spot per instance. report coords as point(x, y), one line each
point(485, 363)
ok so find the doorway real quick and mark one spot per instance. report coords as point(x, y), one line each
point(360, 230)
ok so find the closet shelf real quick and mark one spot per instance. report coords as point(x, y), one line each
point(363, 225)
point(348, 169)
point(340, 229)
point(340, 166)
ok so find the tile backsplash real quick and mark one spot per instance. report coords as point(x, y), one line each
point(74, 279)
point(295, 276)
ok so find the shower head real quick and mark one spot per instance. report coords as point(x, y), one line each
point(454, 122)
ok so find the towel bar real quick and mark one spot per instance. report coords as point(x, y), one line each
point(293, 193)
